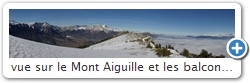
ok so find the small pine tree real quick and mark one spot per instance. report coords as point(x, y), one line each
point(156, 45)
point(185, 52)
point(210, 55)
point(172, 48)
point(159, 45)
point(166, 52)
point(194, 55)
point(204, 54)
point(169, 46)
point(163, 52)
point(176, 50)
point(158, 52)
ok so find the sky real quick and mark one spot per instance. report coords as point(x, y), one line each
point(162, 21)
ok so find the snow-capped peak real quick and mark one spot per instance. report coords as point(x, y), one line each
point(97, 27)
point(41, 25)
point(215, 36)
point(220, 35)
point(44, 24)
point(13, 22)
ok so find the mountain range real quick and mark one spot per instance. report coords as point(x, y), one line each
point(208, 36)
point(215, 36)
point(69, 36)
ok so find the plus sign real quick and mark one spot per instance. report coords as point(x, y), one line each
point(237, 48)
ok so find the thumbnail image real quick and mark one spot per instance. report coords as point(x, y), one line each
point(120, 33)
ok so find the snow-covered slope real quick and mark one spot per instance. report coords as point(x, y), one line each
point(124, 43)
point(175, 54)
point(21, 48)
point(119, 43)
point(118, 47)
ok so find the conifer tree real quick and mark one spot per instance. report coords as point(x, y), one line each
point(204, 54)
point(185, 52)
point(159, 45)
point(156, 46)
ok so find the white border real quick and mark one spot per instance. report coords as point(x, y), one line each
point(234, 64)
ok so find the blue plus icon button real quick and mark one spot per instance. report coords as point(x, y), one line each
point(237, 48)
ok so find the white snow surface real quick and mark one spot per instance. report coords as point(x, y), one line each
point(21, 48)
point(119, 43)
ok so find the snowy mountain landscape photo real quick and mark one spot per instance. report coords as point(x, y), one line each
point(120, 33)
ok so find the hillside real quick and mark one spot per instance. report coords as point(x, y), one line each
point(119, 47)
point(77, 36)
point(21, 48)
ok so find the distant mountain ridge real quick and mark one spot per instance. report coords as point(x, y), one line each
point(215, 36)
point(208, 36)
point(70, 36)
